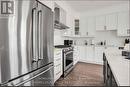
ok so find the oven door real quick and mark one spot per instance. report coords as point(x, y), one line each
point(68, 60)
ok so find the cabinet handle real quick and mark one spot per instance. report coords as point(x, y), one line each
point(128, 31)
point(86, 33)
point(58, 73)
point(58, 59)
point(57, 65)
point(105, 27)
point(58, 53)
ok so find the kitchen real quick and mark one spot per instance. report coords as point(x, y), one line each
point(65, 43)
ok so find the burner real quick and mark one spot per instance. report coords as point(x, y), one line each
point(62, 46)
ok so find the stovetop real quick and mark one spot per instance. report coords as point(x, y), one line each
point(62, 46)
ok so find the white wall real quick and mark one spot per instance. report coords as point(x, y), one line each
point(110, 37)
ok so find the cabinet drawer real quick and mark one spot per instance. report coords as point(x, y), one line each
point(57, 75)
point(57, 59)
point(57, 65)
point(58, 55)
point(57, 62)
point(57, 69)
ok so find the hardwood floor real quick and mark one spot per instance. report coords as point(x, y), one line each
point(83, 74)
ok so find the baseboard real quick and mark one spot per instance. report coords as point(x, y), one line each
point(92, 62)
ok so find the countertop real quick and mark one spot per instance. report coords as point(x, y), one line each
point(97, 46)
point(119, 65)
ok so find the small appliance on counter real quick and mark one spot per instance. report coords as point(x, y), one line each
point(68, 42)
point(126, 54)
point(127, 41)
point(92, 42)
point(86, 42)
point(102, 43)
point(127, 47)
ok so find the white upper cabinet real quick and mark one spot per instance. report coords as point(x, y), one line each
point(107, 22)
point(111, 21)
point(83, 26)
point(91, 29)
point(101, 22)
point(87, 26)
point(123, 24)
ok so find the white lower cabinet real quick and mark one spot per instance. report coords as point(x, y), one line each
point(89, 54)
point(82, 53)
point(76, 54)
point(99, 54)
point(57, 64)
point(86, 54)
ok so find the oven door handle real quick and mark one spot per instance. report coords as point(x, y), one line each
point(68, 52)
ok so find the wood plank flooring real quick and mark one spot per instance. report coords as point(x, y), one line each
point(83, 74)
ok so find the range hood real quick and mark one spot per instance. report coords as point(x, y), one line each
point(58, 24)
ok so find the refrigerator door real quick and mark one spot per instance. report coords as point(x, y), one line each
point(45, 22)
point(16, 41)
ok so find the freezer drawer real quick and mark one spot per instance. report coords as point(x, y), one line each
point(41, 77)
point(44, 79)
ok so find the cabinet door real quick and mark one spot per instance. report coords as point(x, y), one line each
point(111, 21)
point(100, 22)
point(82, 53)
point(123, 24)
point(57, 64)
point(91, 26)
point(99, 54)
point(76, 54)
point(83, 27)
point(90, 54)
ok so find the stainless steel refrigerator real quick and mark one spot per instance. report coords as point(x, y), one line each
point(26, 45)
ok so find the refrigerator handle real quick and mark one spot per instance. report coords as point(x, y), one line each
point(34, 35)
point(39, 34)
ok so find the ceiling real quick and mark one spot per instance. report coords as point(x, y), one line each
point(87, 5)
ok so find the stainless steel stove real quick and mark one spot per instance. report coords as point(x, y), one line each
point(67, 58)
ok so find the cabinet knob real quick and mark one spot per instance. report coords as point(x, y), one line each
point(105, 27)
point(86, 33)
point(128, 31)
